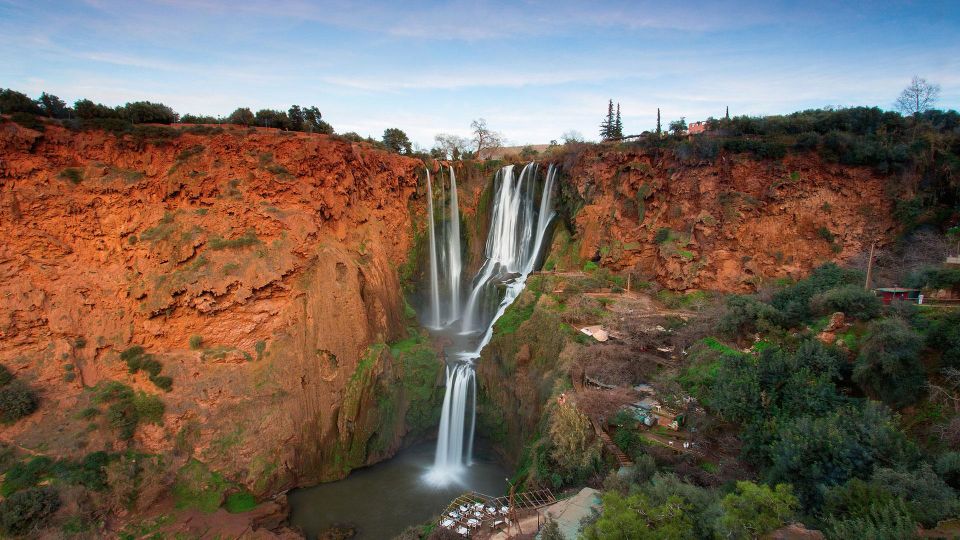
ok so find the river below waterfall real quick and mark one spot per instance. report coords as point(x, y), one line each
point(382, 500)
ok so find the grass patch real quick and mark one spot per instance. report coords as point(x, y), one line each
point(248, 238)
point(240, 502)
point(199, 488)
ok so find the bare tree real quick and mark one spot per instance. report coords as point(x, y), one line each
point(571, 136)
point(484, 137)
point(452, 146)
point(918, 97)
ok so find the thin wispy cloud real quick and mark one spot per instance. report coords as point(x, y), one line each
point(533, 69)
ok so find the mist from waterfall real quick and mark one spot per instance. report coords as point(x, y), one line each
point(514, 242)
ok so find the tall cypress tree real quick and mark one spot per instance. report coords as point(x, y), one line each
point(728, 112)
point(609, 124)
point(659, 131)
point(618, 125)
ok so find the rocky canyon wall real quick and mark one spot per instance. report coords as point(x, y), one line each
point(258, 267)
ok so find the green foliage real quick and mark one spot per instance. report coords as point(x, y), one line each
point(272, 119)
point(571, 435)
point(16, 401)
point(852, 300)
point(196, 342)
point(813, 452)
point(793, 302)
point(260, 347)
point(27, 510)
point(755, 510)
point(746, 315)
point(12, 102)
point(888, 365)
point(72, 174)
point(663, 235)
point(396, 141)
point(242, 116)
point(928, 499)
point(637, 518)
point(514, 316)
point(126, 408)
point(239, 502)
point(137, 360)
point(248, 238)
point(948, 467)
point(944, 336)
point(162, 382)
point(885, 521)
point(590, 266)
point(5, 375)
point(161, 231)
point(935, 277)
point(198, 488)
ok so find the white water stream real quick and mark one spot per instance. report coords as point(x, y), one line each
point(514, 242)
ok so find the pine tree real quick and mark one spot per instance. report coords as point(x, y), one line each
point(728, 112)
point(608, 125)
point(618, 125)
point(659, 131)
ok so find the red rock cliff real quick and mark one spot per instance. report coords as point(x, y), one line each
point(278, 251)
point(728, 225)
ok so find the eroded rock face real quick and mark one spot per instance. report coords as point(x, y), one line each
point(278, 251)
point(726, 226)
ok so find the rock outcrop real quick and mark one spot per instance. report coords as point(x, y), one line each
point(258, 267)
point(729, 225)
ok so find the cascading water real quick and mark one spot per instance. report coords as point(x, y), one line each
point(514, 242)
point(454, 264)
point(434, 280)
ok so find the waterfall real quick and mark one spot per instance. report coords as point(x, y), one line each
point(454, 264)
point(514, 241)
point(434, 280)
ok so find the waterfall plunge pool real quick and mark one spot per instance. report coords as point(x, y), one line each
point(382, 500)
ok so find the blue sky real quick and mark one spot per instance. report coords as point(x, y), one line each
point(533, 69)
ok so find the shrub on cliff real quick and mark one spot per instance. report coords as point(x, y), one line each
point(793, 302)
point(16, 401)
point(888, 365)
point(852, 300)
point(28, 121)
point(5, 375)
point(127, 409)
point(25, 511)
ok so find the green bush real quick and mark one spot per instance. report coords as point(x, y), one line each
point(746, 315)
point(663, 234)
point(196, 342)
point(162, 382)
point(25, 511)
point(888, 365)
point(28, 121)
point(852, 300)
point(72, 174)
point(16, 401)
point(755, 510)
point(5, 375)
point(793, 301)
point(948, 467)
point(149, 408)
point(127, 409)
